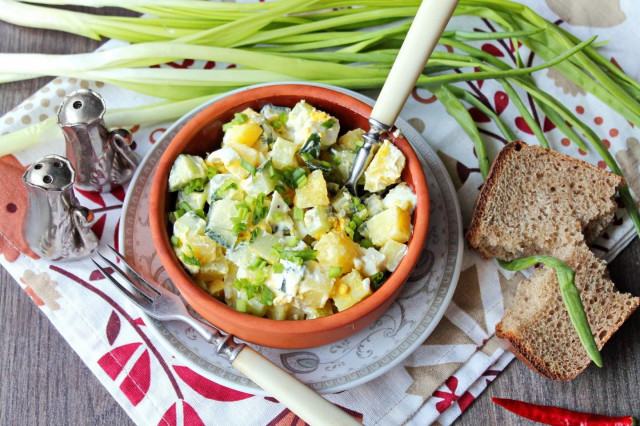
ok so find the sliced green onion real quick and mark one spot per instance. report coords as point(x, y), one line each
point(298, 213)
point(366, 243)
point(329, 124)
point(254, 234)
point(248, 166)
point(306, 254)
point(278, 268)
point(377, 280)
point(335, 272)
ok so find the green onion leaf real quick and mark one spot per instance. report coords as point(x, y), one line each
point(366, 243)
point(290, 255)
point(266, 296)
point(228, 185)
point(278, 268)
point(377, 280)
point(185, 206)
point(329, 124)
point(335, 272)
point(298, 213)
point(312, 146)
point(248, 166)
point(570, 297)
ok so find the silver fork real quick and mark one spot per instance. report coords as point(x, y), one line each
point(164, 305)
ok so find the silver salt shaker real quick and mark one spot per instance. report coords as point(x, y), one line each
point(103, 160)
point(56, 226)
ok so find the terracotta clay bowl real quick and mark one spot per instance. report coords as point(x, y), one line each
point(203, 134)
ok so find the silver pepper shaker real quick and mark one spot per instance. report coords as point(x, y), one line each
point(56, 226)
point(103, 160)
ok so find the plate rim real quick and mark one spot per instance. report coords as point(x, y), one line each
point(400, 122)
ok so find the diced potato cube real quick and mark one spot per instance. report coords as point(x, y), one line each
point(316, 286)
point(385, 168)
point(214, 270)
point(221, 157)
point(283, 154)
point(280, 312)
point(391, 224)
point(203, 248)
point(245, 134)
point(349, 290)
point(236, 169)
point(337, 249)
point(314, 193)
point(250, 155)
point(216, 288)
point(402, 196)
point(393, 252)
point(352, 139)
point(324, 311)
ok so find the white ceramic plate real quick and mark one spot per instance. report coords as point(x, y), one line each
point(349, 362)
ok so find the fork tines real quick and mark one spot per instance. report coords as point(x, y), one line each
point(146, 290)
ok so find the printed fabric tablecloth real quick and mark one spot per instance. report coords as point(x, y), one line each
point(433, 385)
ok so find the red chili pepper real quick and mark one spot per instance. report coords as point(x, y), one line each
point(561, 416)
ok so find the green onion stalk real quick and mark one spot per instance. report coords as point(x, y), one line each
point(351, 44)
point(570, 297)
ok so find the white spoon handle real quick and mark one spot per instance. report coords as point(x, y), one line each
point(423, 35)
point(302, 400)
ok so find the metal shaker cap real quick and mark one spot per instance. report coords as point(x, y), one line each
point(52, 173)
point(82, 106)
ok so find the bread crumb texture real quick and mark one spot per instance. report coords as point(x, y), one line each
point(537, 201)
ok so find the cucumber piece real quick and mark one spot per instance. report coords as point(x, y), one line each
point(195, 200)
point(241, 255)
point(219, 226)
point(316, 221)
point(272, 112)
point(185, 169)
point(189, 224)
point(263, 247)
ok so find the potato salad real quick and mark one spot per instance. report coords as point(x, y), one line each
point(263, 223)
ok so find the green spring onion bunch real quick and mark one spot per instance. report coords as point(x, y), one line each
point(351, 44)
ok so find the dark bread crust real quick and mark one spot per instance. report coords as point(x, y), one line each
point(500, 163)
point(534, 361)
point(488, 187)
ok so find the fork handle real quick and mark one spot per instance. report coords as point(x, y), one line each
point(302, 400)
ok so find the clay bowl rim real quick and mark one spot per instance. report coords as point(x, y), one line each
point(218, 312)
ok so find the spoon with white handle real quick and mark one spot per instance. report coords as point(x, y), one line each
point(428, 24)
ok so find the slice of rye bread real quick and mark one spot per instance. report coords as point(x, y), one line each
point(537, 201)
point(532, 199)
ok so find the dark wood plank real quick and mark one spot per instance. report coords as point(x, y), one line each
point(43, 381)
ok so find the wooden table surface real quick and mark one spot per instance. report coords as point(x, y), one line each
point(43, 381)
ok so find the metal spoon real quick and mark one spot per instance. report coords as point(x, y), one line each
point(428, 24)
